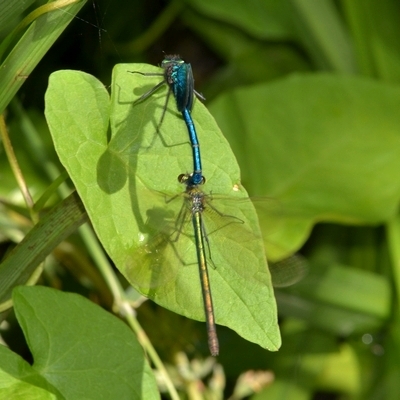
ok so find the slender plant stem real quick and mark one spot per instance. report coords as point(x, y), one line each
point(12, 159)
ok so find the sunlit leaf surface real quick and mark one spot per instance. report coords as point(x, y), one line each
point(127, 179)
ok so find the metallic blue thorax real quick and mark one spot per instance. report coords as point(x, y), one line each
point(179, 77)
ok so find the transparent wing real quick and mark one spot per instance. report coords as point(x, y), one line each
point(288, 271)
point(166, 252)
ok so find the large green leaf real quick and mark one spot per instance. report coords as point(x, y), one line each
point(327, 147)
point(79, 350)
point(128, 183)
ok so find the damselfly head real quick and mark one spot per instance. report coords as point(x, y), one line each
point(186, 179)
point(174, 58)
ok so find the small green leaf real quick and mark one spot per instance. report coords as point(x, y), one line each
point(80, 350)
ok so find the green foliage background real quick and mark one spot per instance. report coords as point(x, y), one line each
point(306, 93)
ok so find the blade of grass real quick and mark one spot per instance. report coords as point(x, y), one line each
point(324, 34)
point(22, 261)
point(10, 10)
point(393, 234)
point(34, 44)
